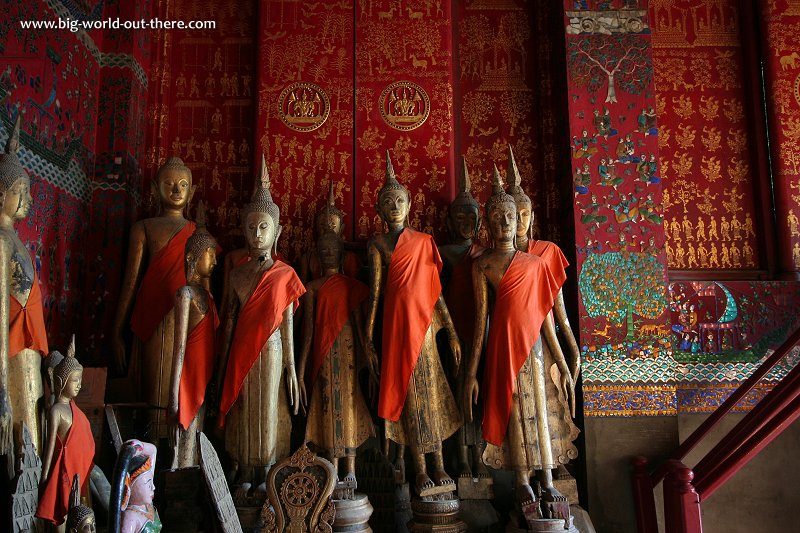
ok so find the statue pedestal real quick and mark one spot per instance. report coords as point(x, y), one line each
point(352, 515)
point(540, 525)
point(476, 488)
point(438, 514)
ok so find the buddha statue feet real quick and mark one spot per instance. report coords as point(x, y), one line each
point(556, 504)
point(240, 492)
point(440, 484)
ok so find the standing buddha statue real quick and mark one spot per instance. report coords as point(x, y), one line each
point(196, 324)
point(23, 338)
point(415, 399)
point(520, 433)
point(258, 347)
point(155, 256)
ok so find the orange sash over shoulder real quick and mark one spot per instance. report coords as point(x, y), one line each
point(165, 275)
point(412, 288)
point(553, 256)
point(524, 298)
point(460, 294)
point(75, 456)
point(26, 327)
point(336, 299)
point(198, 365)
point(258, 319)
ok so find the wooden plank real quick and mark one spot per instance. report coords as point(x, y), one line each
point(217, 486)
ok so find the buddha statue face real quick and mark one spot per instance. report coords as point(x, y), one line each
point(393, 206)
point(328, 221)
point(463, 221)
point(206, 263)
point(87, 525)
point(329, 250)
point(260, 231)
point(503, 222)
point(524, 218)
point(73, 384)
point(16, 201)
point(174, 188)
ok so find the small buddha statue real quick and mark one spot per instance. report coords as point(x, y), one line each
point(257, 347)
point(69, 448)
point(463, 223)
point(131, 508)
point(156, 257)
point(415, 399)
point(23, 339)
point(329, 219)
point(80, 518)
point(515, 291)
point(333, 337)
point(196, 323)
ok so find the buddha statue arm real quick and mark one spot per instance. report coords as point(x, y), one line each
point(231, 307)
point(5, 308)
point(53, 420)
point(375, 274)
point(567, 384)
point(183, 302)
point(130, 282)
point(560, 311)
point(308, 302)
point(287, 341)
point(481, 288)
point(455, 345)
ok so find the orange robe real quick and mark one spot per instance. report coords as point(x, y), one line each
point(74, 456)
point(523, 300)
point(26, 327)
point(553, 256)
point(460, 295)
point(198, 365)
point(165, 275)
point(337, 298)
point(258, 319)
point(412, 288)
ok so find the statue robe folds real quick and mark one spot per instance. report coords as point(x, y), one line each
point(26, 328)
point(198, 365)
point(415, 398)
point(338, 415)
point(515, 369)
point(252, 395)
point(551, 254)
point(73, 456)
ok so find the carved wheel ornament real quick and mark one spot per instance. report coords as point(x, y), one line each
point(405, 105)
point(303, 106)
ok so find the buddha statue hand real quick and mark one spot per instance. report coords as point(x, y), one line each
point(6, 425)
point(568, 389)
point(120, 355)
point(301, 385)
point(173, 423)
point(374, 368)
point(470, 398)
point(293, 390)
point(455, 347)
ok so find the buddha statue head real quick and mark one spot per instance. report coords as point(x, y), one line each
point(330, 218)
point(80, 518)
point(261, 217)
point(501, 212)
point(68, 375)
point(463, 214)
point(394, 202)
point(15, 185)
point(330, 250)
point(524, 204)
point(200, 253)
point(173, 185)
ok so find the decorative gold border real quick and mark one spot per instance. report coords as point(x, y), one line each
point(420, 91)
point(305, 85)
point(622, 394)
point(797, 89)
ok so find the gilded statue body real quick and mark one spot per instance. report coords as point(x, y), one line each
point(193, 352)
point(522, 433)
point(23, 338)
point(69, 448)
point(333, 336)
point(415, 399)
point(257, 347)
point(463, 223)
point(153, 273)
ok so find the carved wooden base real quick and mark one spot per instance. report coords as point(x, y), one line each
point(540, 525)
point(476, 488)
point(352, 515)
point(439, 515)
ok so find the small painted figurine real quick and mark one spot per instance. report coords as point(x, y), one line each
point(131, 509)
point(196, 323)
point(69, 449)
point(338, 418)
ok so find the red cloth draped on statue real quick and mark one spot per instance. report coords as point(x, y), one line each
point(553, 256)
point(258, 319)
point(198, 365)
point(523, 300)
point(165, 275)
point(412, 288)
point(336, 299)
point(26, 327)
point(74, 456)
point(460, 294)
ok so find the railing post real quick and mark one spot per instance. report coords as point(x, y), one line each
point(643, 497)
point(681, 502)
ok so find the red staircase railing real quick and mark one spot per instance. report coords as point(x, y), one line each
point(685, 489)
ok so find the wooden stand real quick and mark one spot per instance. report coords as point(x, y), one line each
point(352, 515)
point(438, 514)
